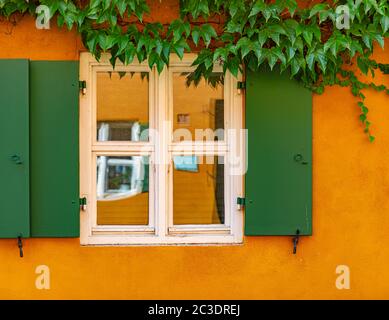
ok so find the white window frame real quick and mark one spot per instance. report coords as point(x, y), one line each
point(160, 230)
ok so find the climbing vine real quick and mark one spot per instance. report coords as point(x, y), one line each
point(315, 43)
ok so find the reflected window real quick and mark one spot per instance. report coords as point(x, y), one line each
point(198, 108)
point(198, 190)
point(122, 190)
point(122, 106)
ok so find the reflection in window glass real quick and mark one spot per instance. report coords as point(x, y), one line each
point(198, 108)
point(198, 190)
point(122, 190)
point(122, 106)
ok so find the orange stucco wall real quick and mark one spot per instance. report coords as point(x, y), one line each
point(350, 219)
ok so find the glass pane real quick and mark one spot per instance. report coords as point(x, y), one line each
point(198, 190)
point(122, 106)
point(122, 190)
point(198, 108)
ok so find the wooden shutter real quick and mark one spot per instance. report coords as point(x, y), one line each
point(14, 149)
point(54, 149)
point(279, 176)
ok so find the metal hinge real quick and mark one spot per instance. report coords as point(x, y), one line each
point(295, 241)
point(82, 86)
point(83, 203)
point(20, 246)
point(241, 202)
point(241, 86)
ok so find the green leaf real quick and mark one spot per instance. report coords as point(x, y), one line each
point(379, 39)
point(92, 40)
point(107, 41)
point(258, 7)
point(308, 36)
point(165, 54)
point(290, 51)
point(233, 66)
point(60, 20)
point(106, 4)
point(299, 29)
point(370, 4)
point(310, 58)
point(322, 59)
point(272, 60)
point(267, 13)
point(196, 35)
point(122, 42)
point(263, 36)
point(129, 53)
point(273, 55)
point(366, 38)
point(122, 6)
point(317, 9)
point(337, 42)
point(363, 66)
point(257, 48)
point(384, 23)
point(291, 5)
point(324, 15)
point(245, 46)
point(355, 46)
point(295, 66)
point(207, 33)
point(291, 24)
point(220, 53)
point(179, 48)
point(153, 59)
point(276, 28)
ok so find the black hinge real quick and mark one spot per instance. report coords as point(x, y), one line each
point(83, 203)
point(296, 241)
point(241, 202)
point(20, 246)
point(241, 85)
point(82, 86)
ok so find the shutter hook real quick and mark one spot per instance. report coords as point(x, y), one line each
point(296, 241)
point(299, 159)
point(16, 158)
point(20, 245)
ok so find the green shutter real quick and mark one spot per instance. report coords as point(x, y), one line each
point(14, 149)
point(279, 176)
point(54, 149)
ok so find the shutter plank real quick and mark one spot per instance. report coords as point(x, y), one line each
point(54, 149)
point(14, 143)
point(278, 181)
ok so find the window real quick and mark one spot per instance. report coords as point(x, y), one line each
point(156, 155)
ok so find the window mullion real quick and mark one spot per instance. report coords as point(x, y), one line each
point(161, 154)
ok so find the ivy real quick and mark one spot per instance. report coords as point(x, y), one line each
point(315, 45)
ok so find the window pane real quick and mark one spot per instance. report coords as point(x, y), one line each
point(122, 106)
point(198, 108)
point(198, 190)
point(122, 190)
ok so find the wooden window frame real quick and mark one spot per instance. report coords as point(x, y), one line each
point(160, 148)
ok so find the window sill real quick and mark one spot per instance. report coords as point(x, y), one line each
point(153, 240)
